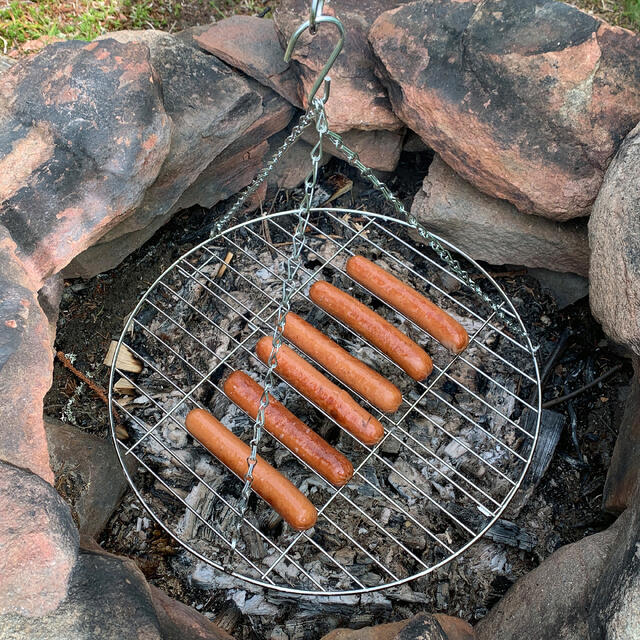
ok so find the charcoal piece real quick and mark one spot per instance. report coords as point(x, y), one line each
point(551, 426)
point(509, 533)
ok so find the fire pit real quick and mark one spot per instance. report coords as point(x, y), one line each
point(453, 455)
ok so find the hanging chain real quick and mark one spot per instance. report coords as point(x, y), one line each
point(305, 120)
point(443, 253)
point(288, 288)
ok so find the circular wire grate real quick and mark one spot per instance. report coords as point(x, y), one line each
point(453, 454)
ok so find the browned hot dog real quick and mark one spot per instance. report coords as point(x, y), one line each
point(268, 483)
point(291, 431)
point(319, 389)
point(409, 302)
point(373, 327)
point(353, 372)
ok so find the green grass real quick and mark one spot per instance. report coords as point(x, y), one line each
point(25, 20)
point(632, 13)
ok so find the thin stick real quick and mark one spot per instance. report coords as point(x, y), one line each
point(121, 432)
point(573, 394)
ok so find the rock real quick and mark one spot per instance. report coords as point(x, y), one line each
point(38, 545)
point(108, 599)
point(566, 288)
point(251, 44)
point(494, 230)
point(357, 99)
point(83, 133)
point(242, 160)
point(26, 365)
point(423, 626)
point(614, 236)
point(378, 150)
point(210, 107)
point(454, 628)
point(88, 474)
point(624, 471)
point(615, 608)
point(295, 164)
point(178, 621)
point(49, 298)
point(225, 176)
point(526, 99)
point(553, 600)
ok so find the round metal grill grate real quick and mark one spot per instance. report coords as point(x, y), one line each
point(453, 454)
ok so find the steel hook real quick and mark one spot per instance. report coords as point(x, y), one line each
point(316, 17)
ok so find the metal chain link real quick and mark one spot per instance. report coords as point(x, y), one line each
point(288, 288)
point(354, 160)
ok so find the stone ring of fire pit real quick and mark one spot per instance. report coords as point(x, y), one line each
point(453, 454)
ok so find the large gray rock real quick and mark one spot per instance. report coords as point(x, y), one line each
point(210, 106)
point(26, 365)
point(88, 474)
point(614, 236)
point(615, 608)
point(38, 545)
point(83, 133)
point(526, 99)
point(494, 230)
point(553, 600)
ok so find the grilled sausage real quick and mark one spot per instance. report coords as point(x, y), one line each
point(409, 302)
point(373, 327)
point(355, 374)
point(291, 431)
point(319, 389)
point(268, 483)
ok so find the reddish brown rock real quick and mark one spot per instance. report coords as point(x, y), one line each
point(238, 165)
point(179, 621)
point(26, 366)
point(494, 230)
point(83, 133)
point(624, 469)
point(222, 176)
point(251, 44)
point(423, 626)
point(357, 100)
point(455, 628)
point(615, 608)
point(614, 236)
point(527, 100)
point(38, 544)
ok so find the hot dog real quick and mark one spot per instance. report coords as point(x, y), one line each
point(291, 431)
point(354, 373)
point(320, 390)
point(268, 483)
point(409, 302)
point(373, 327)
